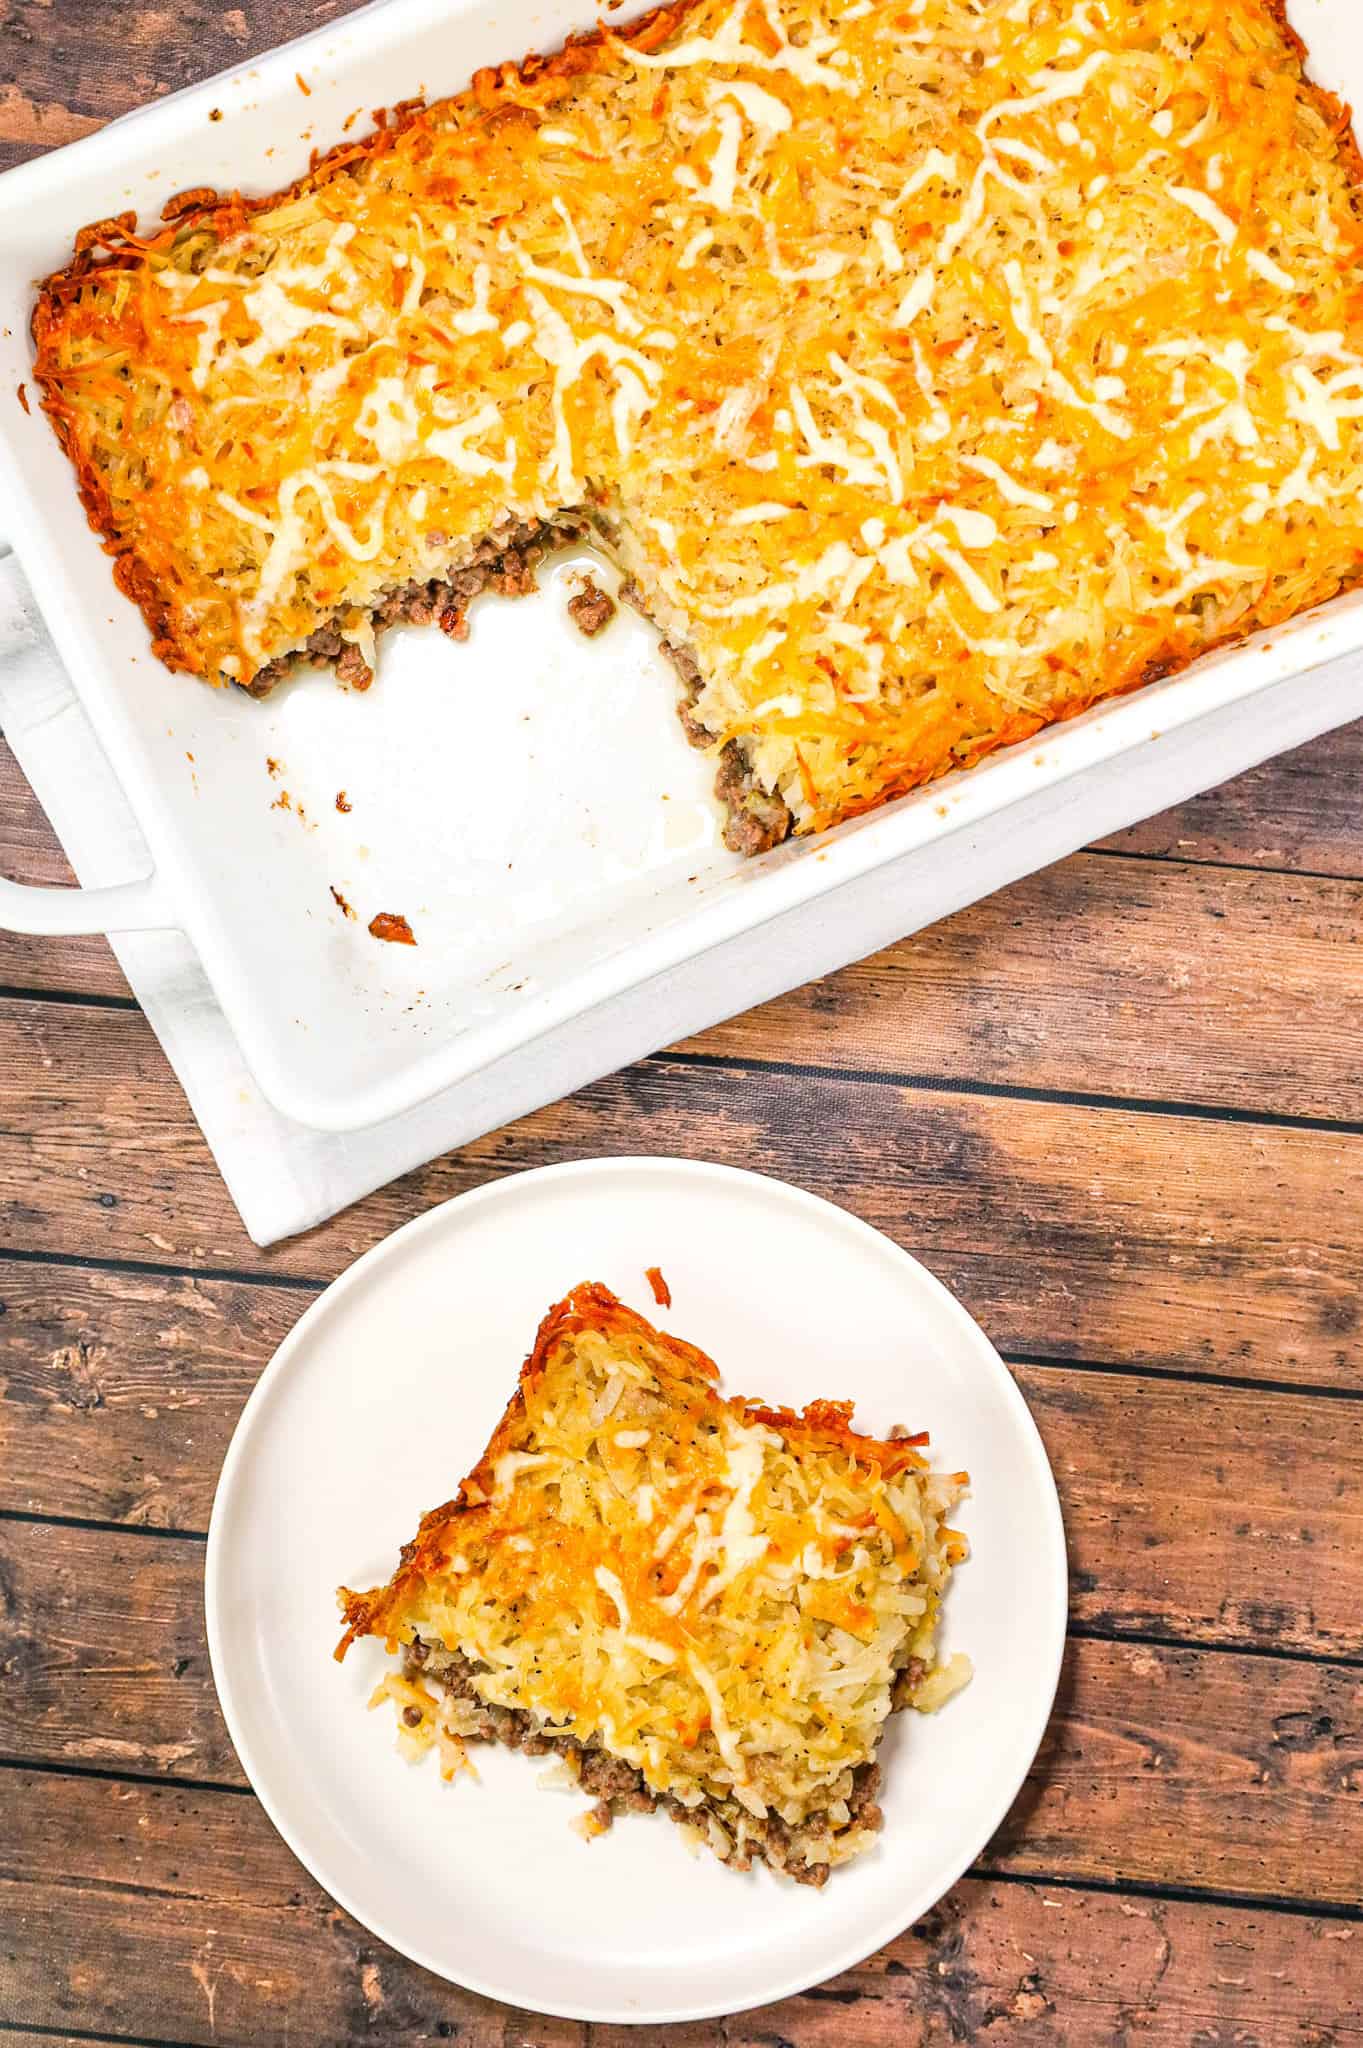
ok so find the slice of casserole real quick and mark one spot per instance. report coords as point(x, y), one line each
point(700, 1604)
point(932, 368)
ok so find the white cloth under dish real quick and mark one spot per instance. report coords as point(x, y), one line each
point(282, 1176)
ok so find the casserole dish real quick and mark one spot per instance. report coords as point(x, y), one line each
point(557, 894)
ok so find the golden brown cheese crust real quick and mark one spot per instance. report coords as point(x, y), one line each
point(823, 1426)
point(724, 1599)
point(930, 475)
point(114, 243)
point(589, 1307)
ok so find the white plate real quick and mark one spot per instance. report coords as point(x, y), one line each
point(384, 1396)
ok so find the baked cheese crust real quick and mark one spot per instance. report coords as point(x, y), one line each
point(724, 1599)
point(934, 368)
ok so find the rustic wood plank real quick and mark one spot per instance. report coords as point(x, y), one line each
point(1205, 1768)
point(1124, 978)
point(1224, 1515)
point(196, 1925)
point(1192, 1767)
point(71, 71)
point(55, 2037)
point(103, 1655)
point(1255, 981)
point(119, 1391)
point(1037, 1967)
point(1299, 811)
point(1149, 1240)
point(22, 2037)
point(1219, 1514)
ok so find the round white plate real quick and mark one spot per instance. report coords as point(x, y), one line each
point(385, 1395)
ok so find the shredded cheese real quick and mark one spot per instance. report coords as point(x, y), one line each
point(859, 326)
point(745, 1657)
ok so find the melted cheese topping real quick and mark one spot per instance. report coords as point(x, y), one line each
point(937, 366)
point(720, 1595)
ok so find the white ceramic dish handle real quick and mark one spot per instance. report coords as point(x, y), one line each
point(68, 913)
point(127, 907)
point(71, 913)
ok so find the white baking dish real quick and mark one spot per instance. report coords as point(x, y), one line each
point(576, 908)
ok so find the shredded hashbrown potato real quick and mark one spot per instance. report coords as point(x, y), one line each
point(935, 367)
point(724, 1596)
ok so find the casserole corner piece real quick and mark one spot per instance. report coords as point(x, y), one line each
point(932, 370)
point(693, 1604)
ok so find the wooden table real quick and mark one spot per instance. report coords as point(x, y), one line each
point(1119, 1109)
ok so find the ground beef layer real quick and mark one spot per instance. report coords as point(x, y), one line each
point(617, 1787)
point(504, 562)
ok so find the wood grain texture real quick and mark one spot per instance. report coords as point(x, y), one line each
point(1222, 1514)
point(103, 1656)
point(196, 1925)
point(1143, 979)
point(22, 2037)
point(1299, 811)
point(119, 1391)
point(76, 67)
point(1150, 1240)
point(1234, 1773)
point(1230, 1769)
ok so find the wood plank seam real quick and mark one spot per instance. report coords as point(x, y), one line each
point(1159, 1639)
point(1007, 1091)
point(300, 1283)
point(1315, 1909)
point(798, 1070)
point(82, 2034)
point(1202, 860)
point(105, 1774)
point(1178, 1376)
point(101, 1525)
point(70, 998)
point(1190, 1895)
